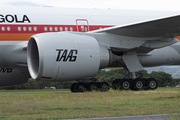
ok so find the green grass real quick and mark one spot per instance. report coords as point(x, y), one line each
point(62, 104)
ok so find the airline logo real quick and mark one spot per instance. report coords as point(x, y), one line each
point(66, 55)
point(5, 70)
point(14, 18)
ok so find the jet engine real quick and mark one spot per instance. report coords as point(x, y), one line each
point(65, 56)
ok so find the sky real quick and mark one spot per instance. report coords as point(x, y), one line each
point(163, 5)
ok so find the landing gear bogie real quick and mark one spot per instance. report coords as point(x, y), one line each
point(92, 86)
point(136, 84)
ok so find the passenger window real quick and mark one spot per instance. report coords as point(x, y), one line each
point(66, 29)
point(61, 29)
point(29, 28)
point(24, 28)
point(51, 29)
point(56, 29)
point(19, 28)
point(45, 28)
point(35, 28)
point(8, 28)
point(71, 28)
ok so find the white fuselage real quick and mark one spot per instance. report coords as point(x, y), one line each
point(18, 24)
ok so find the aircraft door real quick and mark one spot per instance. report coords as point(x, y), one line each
point(82, 25)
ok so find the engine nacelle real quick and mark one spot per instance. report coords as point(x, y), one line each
point(65, 56)
point(163, 56)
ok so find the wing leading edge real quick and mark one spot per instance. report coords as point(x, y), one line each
point(153, 28)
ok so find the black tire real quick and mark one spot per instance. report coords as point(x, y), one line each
point(126, 84)
point(92, 86)
point(107, 84)
point(116, 84)
point(80, 87)
point(72, 88)
point(98, 85)
point(138, 84)
point(145, 81)
point(151, 84)
point(104, 87)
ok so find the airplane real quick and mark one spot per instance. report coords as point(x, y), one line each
point(65, 44)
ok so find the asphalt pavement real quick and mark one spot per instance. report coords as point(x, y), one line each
point(143, 117)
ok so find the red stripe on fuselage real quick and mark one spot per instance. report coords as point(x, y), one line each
point(8, 28)
point(21, 32)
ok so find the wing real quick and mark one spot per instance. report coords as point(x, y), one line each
point(153, 28)
point(143, 37)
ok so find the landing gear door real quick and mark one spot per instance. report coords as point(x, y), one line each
point(82, 25)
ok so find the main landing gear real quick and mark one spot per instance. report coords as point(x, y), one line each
point(135, 84)
point(90, 86)
point(128, 83)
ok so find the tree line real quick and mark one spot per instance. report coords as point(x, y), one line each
point(164, 79)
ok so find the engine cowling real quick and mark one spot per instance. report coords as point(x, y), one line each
point(65, 56)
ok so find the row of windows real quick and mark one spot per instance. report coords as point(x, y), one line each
point(19, 28)
point(3, 28)
point(35, 28)
point(56, 29)
point(29, 28)
point(45, 28)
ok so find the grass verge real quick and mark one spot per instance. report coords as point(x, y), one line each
point(61, 104)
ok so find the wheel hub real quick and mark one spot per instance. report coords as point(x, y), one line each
point(139, 84)
point(92, 87)
point(104, 87)
point(152, 84)
point(126, 85)
point(81, 88)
